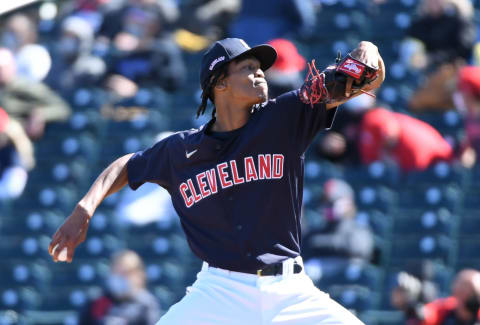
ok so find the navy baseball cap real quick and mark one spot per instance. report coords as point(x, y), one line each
point(223, 51)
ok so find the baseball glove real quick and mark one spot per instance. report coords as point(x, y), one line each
point(355, 73)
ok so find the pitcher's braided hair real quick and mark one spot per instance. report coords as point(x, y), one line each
point(207, 93)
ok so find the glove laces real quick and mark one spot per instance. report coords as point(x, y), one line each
point(313, 90)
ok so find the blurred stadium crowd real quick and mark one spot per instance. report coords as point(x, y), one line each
point(391, 202)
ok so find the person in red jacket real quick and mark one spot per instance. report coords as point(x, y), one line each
point(410, 142)
point(462, 308)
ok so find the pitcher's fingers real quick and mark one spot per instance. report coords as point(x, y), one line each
point(380, 77)
point(55, 241)
point(70, 253)
point(381, 68)
point(348, 87)
point(58, 249)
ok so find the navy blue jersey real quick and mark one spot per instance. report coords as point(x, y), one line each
point(239, 198)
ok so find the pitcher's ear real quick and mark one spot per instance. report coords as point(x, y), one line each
point(221, 84)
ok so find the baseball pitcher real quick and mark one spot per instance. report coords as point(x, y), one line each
point(237, 183)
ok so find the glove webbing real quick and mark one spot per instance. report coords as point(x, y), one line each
point(313, 90)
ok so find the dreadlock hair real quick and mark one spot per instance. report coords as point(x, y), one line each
point(207, 93)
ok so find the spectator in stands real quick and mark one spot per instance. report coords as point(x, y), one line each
point(92, 11)
point(128, 17)
point(468, 103)
point(413, 289)
point(341, 239)
point(447, 32)
point(95, 5)
point(286, 73)
point(261, 21)
point(406, 296)
point(20, 36)
point(462, 307)
point(209, 18)
point(340, 143)
point(16, 157)
point(364, 133)
point(143, 50)
point(126, 299)
point(31, 103)
point(409, 142)
point(75, 66)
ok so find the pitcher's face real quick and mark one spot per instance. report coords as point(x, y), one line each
point(246, 81)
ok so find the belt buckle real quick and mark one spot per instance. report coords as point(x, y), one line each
point(259, 272)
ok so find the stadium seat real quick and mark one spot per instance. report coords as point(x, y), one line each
point(353, 297)
point(87, 272)
point(78, 122)
point(22, 224)
point(72, 146)
point(432, 197)
point(69, 298)
point(439, 174)
point(105, 222)
point(444, 122)
point(31, 222)
point(165, 296)
point(20, 272)
point(354, 273)
point(381, 223)
point(14, 246)
point(470, 222)
point(318, 171)
point(101, 246)
point(413, 247)
point(468, 252)
point(51, 317)
point(56, 197)
point(392, 24)
point(476, 173)
point(443, 276)
point(61, 171)
point(425, 222)
point(163, 227)
point(18, 298)
point(382, 317)
point(87, 98)
point(376, 197)
point(471, 195)
point(377, 173)
point(159, 246)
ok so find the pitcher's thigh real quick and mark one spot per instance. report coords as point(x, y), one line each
point(201, 308)
point(316, 309)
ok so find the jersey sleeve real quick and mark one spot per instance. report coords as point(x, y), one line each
point(304, 121)
point(151, 165)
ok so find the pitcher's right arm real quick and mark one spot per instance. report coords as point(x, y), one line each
point(74, 229)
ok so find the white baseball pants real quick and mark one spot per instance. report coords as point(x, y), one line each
point(222, 297)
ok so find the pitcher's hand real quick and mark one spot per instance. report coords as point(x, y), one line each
point(70, 234)
point(368, 53)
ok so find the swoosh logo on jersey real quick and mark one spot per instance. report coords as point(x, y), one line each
point(189, 154)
